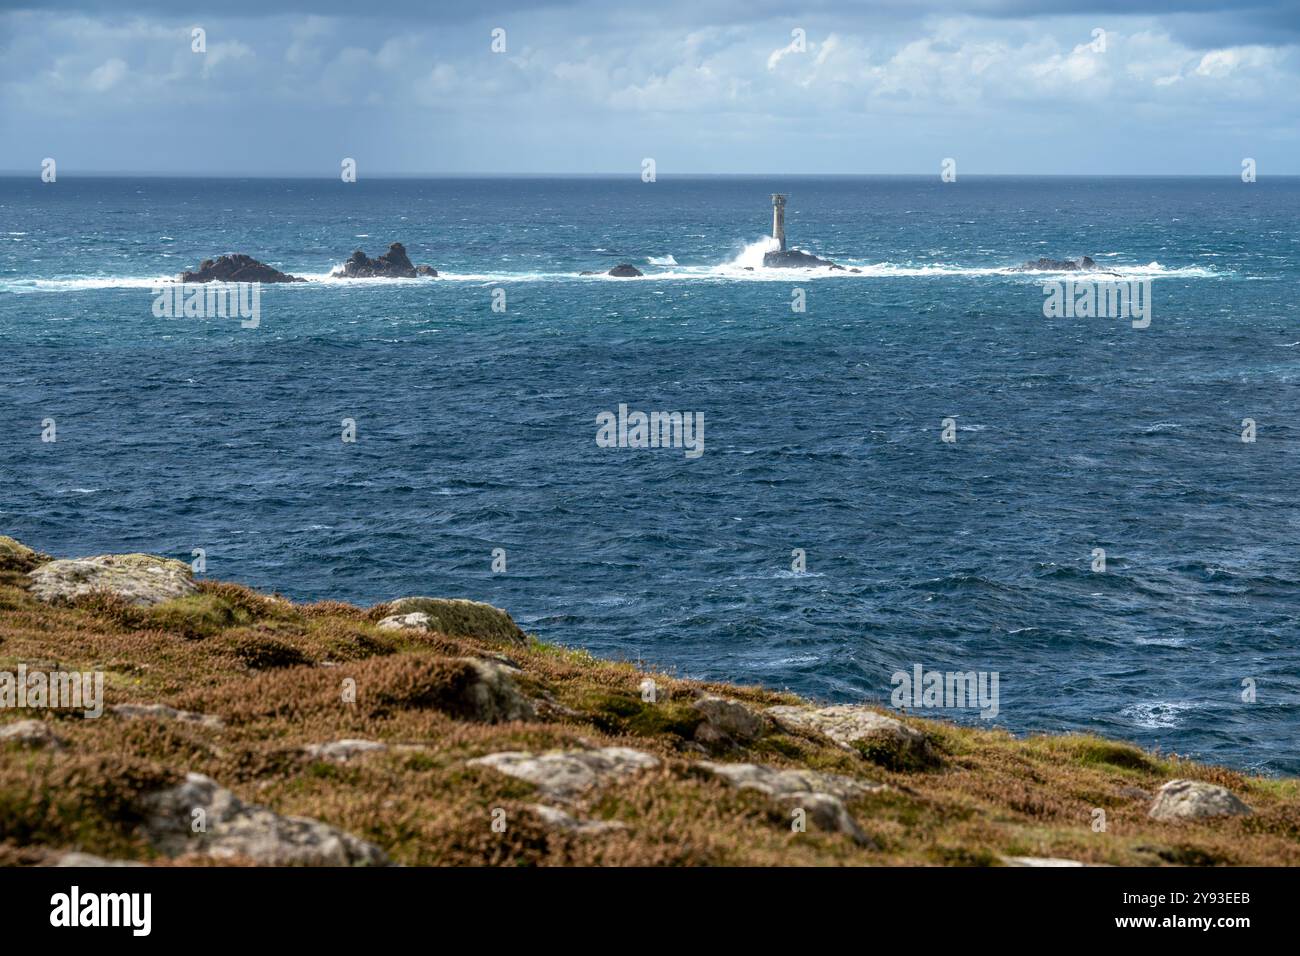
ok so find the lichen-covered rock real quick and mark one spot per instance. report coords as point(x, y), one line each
point(727, 722)
point(457, 617)
point(163, 712)
point(1195, 800)
point(495, 697)
point(139, 579)
point(564, 774)
point(772, 781)
point(556, 818)
point(1039, 861)
point(820, 795)
point(16, 556)
point(341, 751)
point(232, 829)
point(852, 726)
point(30, 733)
point(78, 859)
point(416, 620)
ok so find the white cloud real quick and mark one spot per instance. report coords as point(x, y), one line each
point(107, 75)
point(1220, 63)
point(226, 50)
point(721, 84)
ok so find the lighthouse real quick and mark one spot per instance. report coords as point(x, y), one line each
point(783, 258)
point(778, 219)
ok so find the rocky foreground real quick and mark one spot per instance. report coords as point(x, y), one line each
point(240, 728)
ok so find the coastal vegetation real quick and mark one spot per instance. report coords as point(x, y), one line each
point(243, 728)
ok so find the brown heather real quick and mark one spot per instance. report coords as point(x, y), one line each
point(272, 670)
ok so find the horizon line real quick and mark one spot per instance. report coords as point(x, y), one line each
point(635, 175)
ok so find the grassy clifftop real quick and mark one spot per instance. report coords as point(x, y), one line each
point(427, 732)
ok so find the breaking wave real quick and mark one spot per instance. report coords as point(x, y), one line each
point(746, 265)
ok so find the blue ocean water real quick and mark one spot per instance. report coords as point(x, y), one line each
point(476, 429)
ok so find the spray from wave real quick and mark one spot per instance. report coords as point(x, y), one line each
point(746, 265)
point(751, 257)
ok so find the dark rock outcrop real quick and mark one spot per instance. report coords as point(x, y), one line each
point(795, 259)
point(1044, 264)
point(236, 268)
point(624, 270)
point(393, 264)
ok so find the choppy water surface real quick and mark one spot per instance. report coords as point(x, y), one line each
point(822, 429)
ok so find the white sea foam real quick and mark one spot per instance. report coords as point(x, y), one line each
point(745, 265)
point(82, 283)
point(1156, 714)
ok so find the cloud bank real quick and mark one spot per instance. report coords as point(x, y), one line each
point(1005, 87)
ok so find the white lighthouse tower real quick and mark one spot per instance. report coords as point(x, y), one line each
point(778, 219)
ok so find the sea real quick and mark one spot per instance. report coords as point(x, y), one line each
point(905, 463)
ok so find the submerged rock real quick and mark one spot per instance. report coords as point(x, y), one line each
point(1195, 800)
point(234, 829)
point(236, 268)
point(454, 617)
point(564, 774)
point(1044, 264)
point(139, 579)
point(394, 264)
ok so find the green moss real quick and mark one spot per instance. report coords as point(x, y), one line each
point(17, 557)
point(781, 744)
point(897, 755)
point(195, 616)
point(324, 770)
point(621, 712)
point(1094, 751)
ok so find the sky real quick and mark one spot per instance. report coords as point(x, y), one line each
point(1057, 87)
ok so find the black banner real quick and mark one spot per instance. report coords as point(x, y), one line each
point(143, 905)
